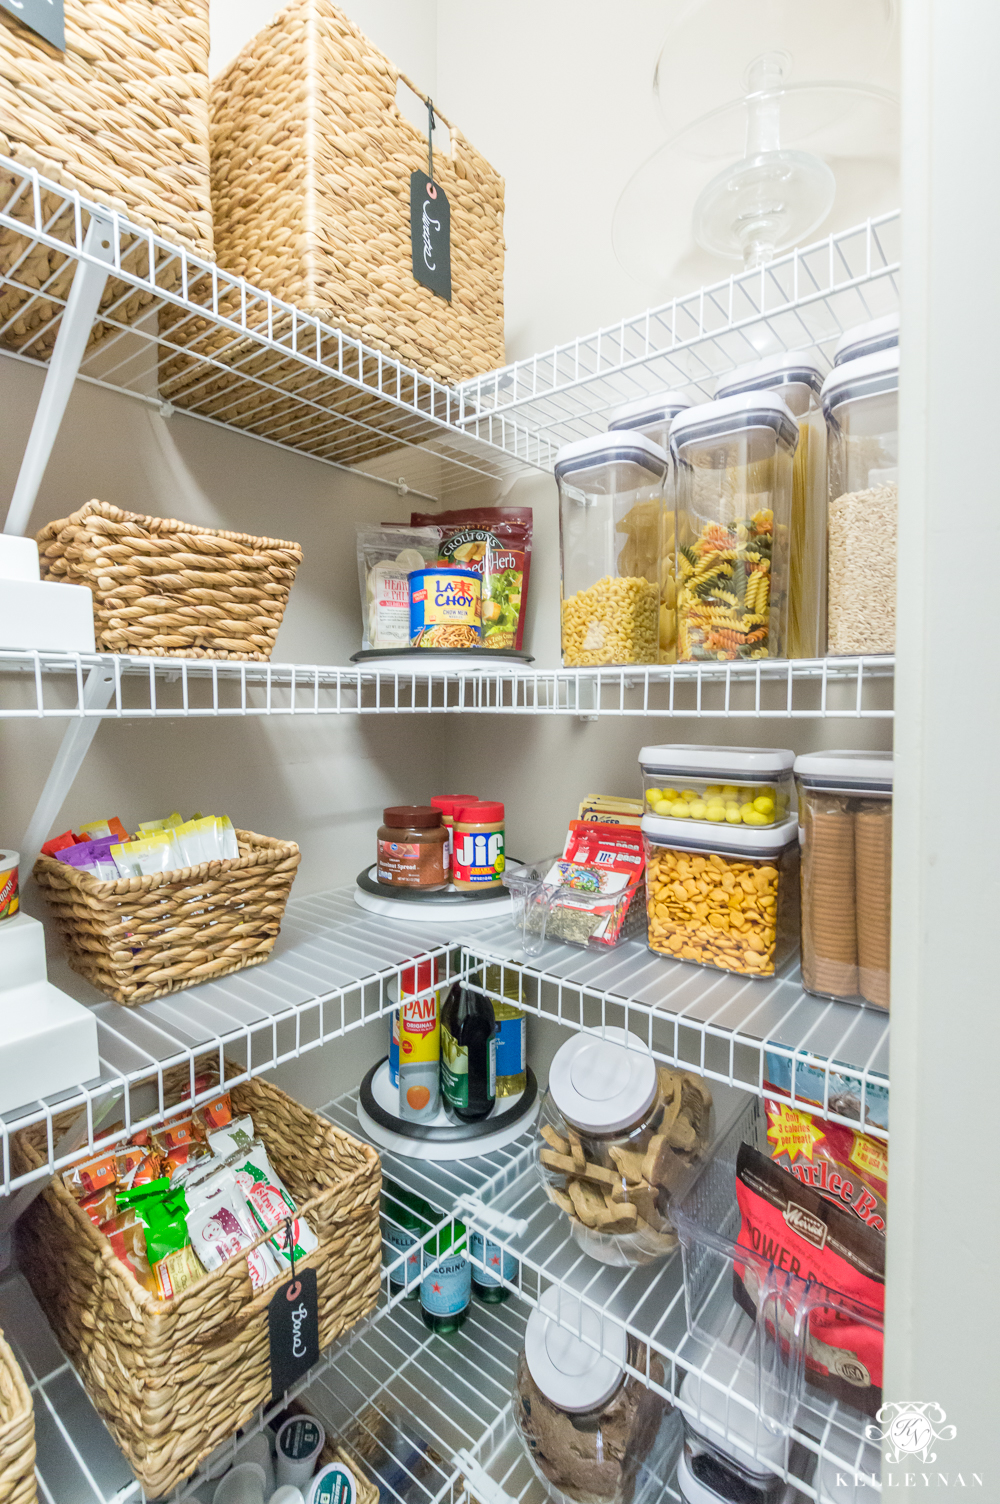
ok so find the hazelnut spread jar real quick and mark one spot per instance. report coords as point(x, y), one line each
point(412, 847)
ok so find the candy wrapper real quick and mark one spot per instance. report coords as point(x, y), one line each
point(220, 1226)
point(270, 1204)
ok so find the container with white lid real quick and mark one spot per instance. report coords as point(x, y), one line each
point(860, 403)
point(718, 785)
point(722, 895)
point(733, 461)
point(652, 415)
point(611, 501)
point(618, 1138)
point(797, 379)
point(866, 339)
point(592, 1435)
point(845, 831)
point(729, 1452)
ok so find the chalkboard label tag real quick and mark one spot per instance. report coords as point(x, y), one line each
point(293, 1324)
point(46, 18)
point(430, 234)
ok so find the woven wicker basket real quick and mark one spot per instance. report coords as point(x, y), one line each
point(17, 1433)
point(121, 116)
point(172, 1379)
point(142, 937)
point(171, 589)
point(311, 164)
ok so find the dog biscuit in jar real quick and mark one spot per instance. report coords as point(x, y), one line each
point(445, 608)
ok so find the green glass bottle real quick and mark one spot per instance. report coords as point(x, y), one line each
point(406, 1217)
point(486, 1285)
point(446, 1291)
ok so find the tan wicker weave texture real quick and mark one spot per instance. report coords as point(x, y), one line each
point(169, 588)
point(143, 937)
point(173, 1379)
point(17, 1433)
point(311, 164)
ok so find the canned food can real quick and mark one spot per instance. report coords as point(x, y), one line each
point(10, 900)
point(445, 608)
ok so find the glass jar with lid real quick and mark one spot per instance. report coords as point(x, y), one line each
point(729, 1451)
point(592, 1434)
point(610, 537)
point(653, 416)
point(861, 407)
point(845, 832)
point(719, 785)
point(797, 380)
point(734, 462)
point(618, 1138)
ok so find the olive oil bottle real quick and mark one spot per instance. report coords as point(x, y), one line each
point(468, 1054)
point(512, 1072)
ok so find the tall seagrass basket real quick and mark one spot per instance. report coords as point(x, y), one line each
point(17, 1433)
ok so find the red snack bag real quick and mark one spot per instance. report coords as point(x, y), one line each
point(174, 1135)
point(185, 1154)
point(141, 1138)
point(100, 1206)
point(59, 843)
point(91, 1176)
point(807, 1250)
point(150, 1168)
point(127, 1237)
point(495, 542)
point(845, 1166)
point(215, 1114)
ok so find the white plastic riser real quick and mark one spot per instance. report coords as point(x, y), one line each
point(44, 615)
point(22, 952)
point(47, 1044)
point(18, 558)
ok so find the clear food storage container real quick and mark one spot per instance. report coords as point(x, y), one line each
point(797, 380)
point(860, 404)
point(611, 500)
point(618, 1138)
point(730, 1453)
point(845, 831)
point(718, 785)
point(547, 910)
point(865, 339)
point(653, 416)
point(722, 896)
point(592, 1434)
point(734, 464)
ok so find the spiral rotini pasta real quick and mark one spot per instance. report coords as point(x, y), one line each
point(724, 590)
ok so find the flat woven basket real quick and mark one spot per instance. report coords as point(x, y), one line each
point(170, 589)
point(142, 937)
point(172, 1379)
point(17, 1433)
point(122, 117)
point(311, 164)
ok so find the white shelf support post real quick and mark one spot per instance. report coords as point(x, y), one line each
point(74, 331)
point(75, 745)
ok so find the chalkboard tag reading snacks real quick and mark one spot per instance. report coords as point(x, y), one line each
point(293, 1328)
point(44, 17)
point(430, 224)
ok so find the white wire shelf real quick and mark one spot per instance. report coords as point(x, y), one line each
point(45, 686)
point(178, 333)
point(802, 300)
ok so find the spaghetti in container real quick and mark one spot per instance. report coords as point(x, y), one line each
point(445, 608)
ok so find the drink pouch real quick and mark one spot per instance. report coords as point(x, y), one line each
point(269, 1202)
point(91, 1176)
point(149, 827)
point(228, 844)
point(158, 853)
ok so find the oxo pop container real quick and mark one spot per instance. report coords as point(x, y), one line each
point(845, 831)
point(860, 404)
point(722, 895)
point(734, 462)
point(611, 536)
point(866, 339)
point(729, 1451)
point(720, 786)
point(653, 416)
point(797, 380)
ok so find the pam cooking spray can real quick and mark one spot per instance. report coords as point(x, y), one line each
point(419, 1044)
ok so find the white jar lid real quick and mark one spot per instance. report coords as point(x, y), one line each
point(784, 369)
point(756, 763)
point(657, 407)
point(575, 1374)
point(714, 1410)
point(848, 770)
point(728, 840)
point(864, 377)
point(600, 449)
point(865, 339)
point(836, 1482)
point(603, 1080)
point(729, 415)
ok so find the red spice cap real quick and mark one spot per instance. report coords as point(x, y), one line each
point(486, 812)
point(420, 815)
point(449, 803)
point(418, 978)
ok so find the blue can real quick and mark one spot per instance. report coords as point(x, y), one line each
point(445, 607)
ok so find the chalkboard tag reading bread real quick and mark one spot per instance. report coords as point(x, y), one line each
point(293, 1327)
point(45, 18)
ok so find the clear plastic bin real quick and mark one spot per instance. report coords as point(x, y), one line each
point(797, 380)
point(722, 896)
point(845, 825)
point(618, 1139)
point(720, 786)
point(547, 911)
point(611, 500)
point(654, 416)
point(734, 462)
point(860, 403)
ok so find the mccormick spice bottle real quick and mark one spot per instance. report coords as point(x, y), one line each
point(412, 846)
point(478, 847)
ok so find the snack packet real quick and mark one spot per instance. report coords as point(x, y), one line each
point(843, 1165)
point(217, 1114)
point(385, 557)
point(185, 1155)
point(269, 1202)
point(167, 1136)
point(127, 1236)
point(496, 543)
point(59, 843)
point(91, 1176)
point(220, 1226)
point(101, 1206)
point(599, 860)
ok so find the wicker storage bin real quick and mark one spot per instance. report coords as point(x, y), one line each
point(170, 589)
point(17, 1433)
point(142, 937)
point(311, 164)
point(121, 116)
point(172, 1379)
